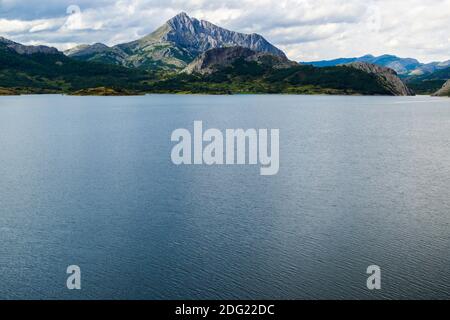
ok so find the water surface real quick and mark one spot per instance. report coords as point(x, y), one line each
point(89, 181)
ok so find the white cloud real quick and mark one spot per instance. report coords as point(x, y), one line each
point(305, 29)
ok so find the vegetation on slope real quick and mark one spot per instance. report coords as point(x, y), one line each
point(44, 73)
point(56, 73)
point(430, 83)
point(250, 77)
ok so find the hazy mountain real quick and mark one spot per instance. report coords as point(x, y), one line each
point(430, 68)
point(172, 46)
point(331, 63)
point(403, 66)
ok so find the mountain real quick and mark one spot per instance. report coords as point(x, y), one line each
point(40, 69)
point(333, 63)
point(403, 66)
point(444, 91)
point(224, 70)
point(430, 68)
point(386, 77)
point(26, 50)
point(172, 46)
point(98, 52)
point(241, 70)
point(213, 60)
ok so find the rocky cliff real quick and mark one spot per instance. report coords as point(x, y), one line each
point(387, 77)
point(444, 91)
point(215, 59)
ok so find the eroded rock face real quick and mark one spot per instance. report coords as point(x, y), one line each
point(200, 36)
point(216, 59)
point(27, 50)
point(387, 77)
point(444, 91)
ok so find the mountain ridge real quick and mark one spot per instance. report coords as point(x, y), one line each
point(27, 50)
point(40, 69)
point(403, 66)
point(224, 70)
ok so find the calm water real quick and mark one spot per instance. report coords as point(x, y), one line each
point(89, 181)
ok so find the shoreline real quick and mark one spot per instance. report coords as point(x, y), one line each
point(210, 94)
point(118, 94)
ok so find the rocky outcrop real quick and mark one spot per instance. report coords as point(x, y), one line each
point(27, 50)
point(444, 91)
point(174, 45)
point(219, 58)
point(387, 78)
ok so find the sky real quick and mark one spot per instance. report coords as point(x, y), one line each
point(306, 30)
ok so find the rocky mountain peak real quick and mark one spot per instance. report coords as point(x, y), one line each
point(180, 19)
point(200, 36)
point(174, 45)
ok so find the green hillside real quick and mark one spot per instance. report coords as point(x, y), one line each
point(41, 73)
point(57, 73)
point(250, 77)
point(430, 83)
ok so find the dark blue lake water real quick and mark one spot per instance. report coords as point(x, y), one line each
point(89, 181)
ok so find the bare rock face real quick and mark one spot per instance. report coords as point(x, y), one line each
point(444, 91)
point(216, 59)
point(387, 77)
point(200, 36)
point(27, 50)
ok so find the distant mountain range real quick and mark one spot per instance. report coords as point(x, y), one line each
point(172, 46)
point(405, 67)
point(187, 55)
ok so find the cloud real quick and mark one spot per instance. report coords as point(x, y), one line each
point(305, 29)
